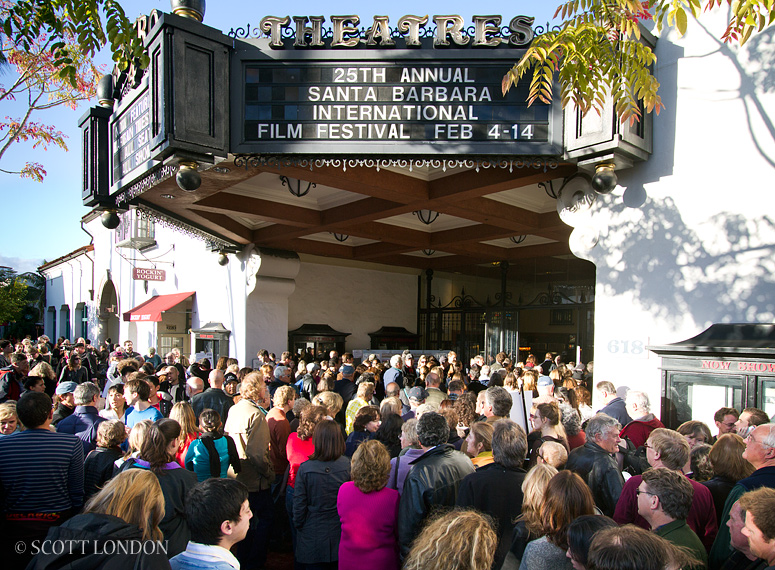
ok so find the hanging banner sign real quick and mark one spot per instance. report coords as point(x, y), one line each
point(148, 274)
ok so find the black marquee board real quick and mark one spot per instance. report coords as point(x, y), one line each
point(386, 102)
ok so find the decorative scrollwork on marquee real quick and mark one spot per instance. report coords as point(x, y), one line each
point(147, 182)
point(147, 213)
point(258, 160)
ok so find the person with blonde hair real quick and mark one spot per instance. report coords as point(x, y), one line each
point(183, 413)
point(280, 428)
point(330, 400)
point(567, 497)
point(528, 525)
point(44, 370)
point(113, 530)
point(366, 502)
point(9, 421)
point(455, 540)
point(362, 398)
point(479, 444)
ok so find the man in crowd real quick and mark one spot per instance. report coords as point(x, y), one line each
point(393, 374)
point(595, 462)
point(194, 386)
point(613, 405)
point(668, 448)
point(41, 474)
point(643, 421)
point(664, 500)
point(432, 386)
point(759, 506)
point(742, 558)
point(434, 478)
point(749, 419)
point(282, 377)
point(170, 383)
point(725, 420)
point(417, 397)
point(455, 389)
point(85, 420)
point(759, 452)
point(218, 515)
point(496, 489)
point(214, 397)
point(6, 350)
point(137, 394)
point(497, 404)
point(248, 428)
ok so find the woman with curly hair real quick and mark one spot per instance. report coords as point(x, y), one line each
point(315, 497)
point(465, 406)
point(456, 540)
point(567, 497)
point(366, 503)
point(367, 422)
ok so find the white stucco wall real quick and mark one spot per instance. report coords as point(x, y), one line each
point(354, 300)
point(687, 238)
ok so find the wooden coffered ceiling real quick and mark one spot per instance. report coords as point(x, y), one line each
point(479, 212)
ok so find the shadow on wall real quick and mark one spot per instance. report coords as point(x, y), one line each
point(674, 274)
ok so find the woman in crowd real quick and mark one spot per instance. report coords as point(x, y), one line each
point(366, 503)
point(584, 399)
point(567, 497)
point(157, 455)
point(183, 413)
point(211, 454)
point(455, 540)
point(546, 427)
point(389, 432)
point(580, 535)
point(528, 525)
point(299, 447)
point(366, 424)
point(729, 467)
point(43, 370)
point(9, 421)
point(411, 450)
point(695, 433)
point(465, 406)
point(479, 444)
point(315, 498)
point(128, 511)
point(74, 372)
point(34, 384)
point(118, 408)
point(530, 382)
point(522, 401)
point(331, 401)
point(362, 398)
point(98, 467)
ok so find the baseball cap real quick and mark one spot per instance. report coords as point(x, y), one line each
point(544, 381)
point(417, 393)
point(66, 388)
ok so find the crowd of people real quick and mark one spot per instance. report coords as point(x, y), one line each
point(110, 459)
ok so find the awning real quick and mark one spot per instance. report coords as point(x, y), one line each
point(151, 310)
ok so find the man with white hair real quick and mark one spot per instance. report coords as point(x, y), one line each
point(393, 374)
point(643, 421)
point(85, 420)
point(194, 386)
point(759, 452)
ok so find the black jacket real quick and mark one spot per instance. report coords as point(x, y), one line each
point(496, 491)
point(95, 540)
point(98, 469)
point(215, 399)
point(432, 482)
point(314, 510)
point(601, 472)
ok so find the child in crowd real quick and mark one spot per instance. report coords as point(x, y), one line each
point(211, 453)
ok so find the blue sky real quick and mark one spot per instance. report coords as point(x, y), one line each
point(42, 220)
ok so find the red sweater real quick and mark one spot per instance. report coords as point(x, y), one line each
point(639, 431)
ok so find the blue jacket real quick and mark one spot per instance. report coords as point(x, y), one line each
point(83, 422)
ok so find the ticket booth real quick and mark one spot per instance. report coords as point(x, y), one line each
point(317, 339)
point(394, 338)
point(725, 365)
point(211, 342)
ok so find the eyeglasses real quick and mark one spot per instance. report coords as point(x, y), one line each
point(648, 446)
point(639, 492)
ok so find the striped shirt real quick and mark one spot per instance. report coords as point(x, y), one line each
point(41, 472)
